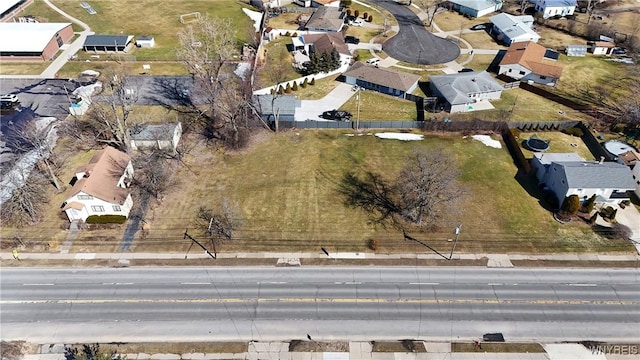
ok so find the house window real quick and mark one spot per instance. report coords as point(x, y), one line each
point(85, 197)
point(522, 73)
point(116, 208)
point(97, 208)
point(510, 70)
point(542, 77)
point(59, 40)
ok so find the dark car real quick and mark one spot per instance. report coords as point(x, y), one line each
point(493, 337)
point(336, 115)
point(351, 40)
point(479, 27)
point(466, 70)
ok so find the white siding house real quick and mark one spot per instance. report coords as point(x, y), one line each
point(635, 174)
point(462, 90)
point(550, 8)
point(101, 187)
point(476, 8)
point(510, 29)
point(163, 137)
point(609, 181)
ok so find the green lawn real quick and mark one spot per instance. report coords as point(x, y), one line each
point(45, 14)
point(160, 19)
point(288, 201)
point(376, 106)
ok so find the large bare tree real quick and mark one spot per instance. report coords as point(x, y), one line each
point(223, 100)
point(27, 201)
point(425, 190)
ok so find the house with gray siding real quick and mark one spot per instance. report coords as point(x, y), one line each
point(509, 29)
point(281, 106)
point(565, 175)
point(156, 136)
point(460, 91)
point(476, 8)
point(382, 80)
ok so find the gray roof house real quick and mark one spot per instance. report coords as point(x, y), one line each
point(476, 8)
point(326, 18)
point(107, 42)
point(382, 80)
point(510, 29)
point(161, 136)
point(460, 91)
point(551, 8)
point(565, 175)
point(283, 106)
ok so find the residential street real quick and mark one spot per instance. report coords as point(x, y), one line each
point(354, 303)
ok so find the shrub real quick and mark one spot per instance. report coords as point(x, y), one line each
point(304, 83)
point(348, 12)
point(365, 15)
point(106, 219)
point(617, 128)
point(356, 13)
point(370, 19)
point(574, 131)
point(588, 205)
point(608, 213)
point(516, 132)
point(288, 88)
point(295, 34)
point(272, 91)
point(372, 244)
point(287, 34)
point(312, 82)
point(571, 204)
point(295, 86)
point(280, 90)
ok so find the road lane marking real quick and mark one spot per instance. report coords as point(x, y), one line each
point(578, 284)
point(195, 283)
point(424, 283)
point(327, 300)
point(35, 284)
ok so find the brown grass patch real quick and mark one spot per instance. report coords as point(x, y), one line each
point(497, 347)
point(173, 348)
point(398, 346)
point(318, 346)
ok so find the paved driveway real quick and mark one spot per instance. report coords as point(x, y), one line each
point(413, 43)
point(311, 109)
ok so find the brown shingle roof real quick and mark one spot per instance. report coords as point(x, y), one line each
point(101, 176)
point(326, 42)
point(381, 76)
point(326, 17)
point(531, 55)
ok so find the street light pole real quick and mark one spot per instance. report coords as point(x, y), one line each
point(458, 228)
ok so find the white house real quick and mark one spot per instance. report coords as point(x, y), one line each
point(476, 8)
point(162, 136)
point(101, 187)
point(551, 8)
point(462, 90)
point(510, 29)
point(569, 174)
point(528, 61)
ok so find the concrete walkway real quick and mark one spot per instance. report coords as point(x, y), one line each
point(359, 350)
point(494, 260)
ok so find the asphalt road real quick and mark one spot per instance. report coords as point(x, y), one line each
point(199, 304)
point(413, 43)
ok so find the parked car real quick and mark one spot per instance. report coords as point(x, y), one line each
point(337, 115)
point(493, 337)
point(356, 22)
point(9, 98)
point(373, 61)
point(466, 70)
point(479, 27)
point(351, 40)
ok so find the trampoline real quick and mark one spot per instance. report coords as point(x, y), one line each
point(534, 143)
point(617, 147)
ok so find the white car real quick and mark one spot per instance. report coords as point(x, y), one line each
point(356, 22)
point(373, 61)
point(11, 98)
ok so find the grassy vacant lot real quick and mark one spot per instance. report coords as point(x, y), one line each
point(376, 106)
point(287, 199)
point(160, 19)
point(22, 68)
point(45, 14)
point(498, 347)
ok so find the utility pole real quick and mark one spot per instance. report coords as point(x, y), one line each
point(458, 228)
point(186, 235)
point(358, 115)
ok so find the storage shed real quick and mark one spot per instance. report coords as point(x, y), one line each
point(145, 41)
point(107, 43)
point(576, 50)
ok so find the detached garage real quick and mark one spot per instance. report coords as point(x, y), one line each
point(107, 43)
point(34, 41)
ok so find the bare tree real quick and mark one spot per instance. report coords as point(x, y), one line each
point(424, 191)
point(154, 172)
point(40, 136)
point(27, 200)
point(220, 224)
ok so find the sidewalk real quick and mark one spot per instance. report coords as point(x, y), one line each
point(358, 350)
point(493, 260)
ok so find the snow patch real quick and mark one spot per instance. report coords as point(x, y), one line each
point(400, 136)
point(256, 16)
point(488, 141)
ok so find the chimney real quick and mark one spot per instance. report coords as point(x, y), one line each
point(601, 160)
